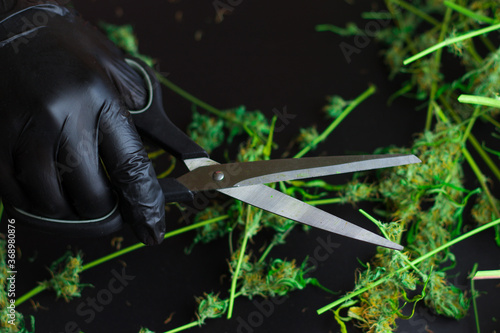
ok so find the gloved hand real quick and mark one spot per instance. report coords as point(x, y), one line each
point(68, 146)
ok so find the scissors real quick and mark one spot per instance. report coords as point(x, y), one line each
point(242, 181)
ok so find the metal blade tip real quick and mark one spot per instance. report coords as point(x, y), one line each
point(380, 241)
point(414, 159)
point(394, 246)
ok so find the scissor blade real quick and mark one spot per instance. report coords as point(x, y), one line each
point(295, 168)
point(261, 172)
point(266, 198)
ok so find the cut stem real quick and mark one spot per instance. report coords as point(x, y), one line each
point(472, 139)
point(479, 100)
point(116, 254)
point(482, 180)
point(38, 289)
point(324, 201)
point(470, 13)
point(485, 275)
point(405, 258)
point(450, 41)
point(420, 13)
point(184, 327)
point(436, 64)
point(367, 93)
point(238, 266)
point(414, 262)
point(273, 243)
point(474, 296)
point(178, 90)
point(139, 245)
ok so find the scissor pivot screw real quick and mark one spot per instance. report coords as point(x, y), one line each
point(218, 176)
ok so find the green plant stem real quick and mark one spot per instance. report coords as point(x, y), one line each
point(238, 266)
point(482, 180)
point(474, 54)
point(486, 158)
point(405, 89)
point(479, 100)
point(405, 258)
point(358, 100)
point(399, 23)
point(480, 176)
point(469, 13)
point(487, 42)
point(116, 254)
point(337, 30)
point(420, 13)
point(472, 139)
point(139, 245)
point(451, 41)
point(474, 296)
point(273, 243)
point(178, 90)
point(475, 275)
point(414, 262)
point(475, 168)
point(269, 144)
point(324, 201)
point(184, 327)
point(38, 289)
point(484, 275)
point(494, 122)
point(470, 123)
point(436, 65)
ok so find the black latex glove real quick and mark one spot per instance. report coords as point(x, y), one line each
point(67, 141)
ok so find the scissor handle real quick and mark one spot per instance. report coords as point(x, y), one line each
point(153, 122)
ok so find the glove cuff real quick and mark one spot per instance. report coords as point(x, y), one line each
point(72, 228)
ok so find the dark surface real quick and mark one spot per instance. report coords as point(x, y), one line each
point(265, 55)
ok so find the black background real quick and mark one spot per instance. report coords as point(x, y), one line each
point(264, 55)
